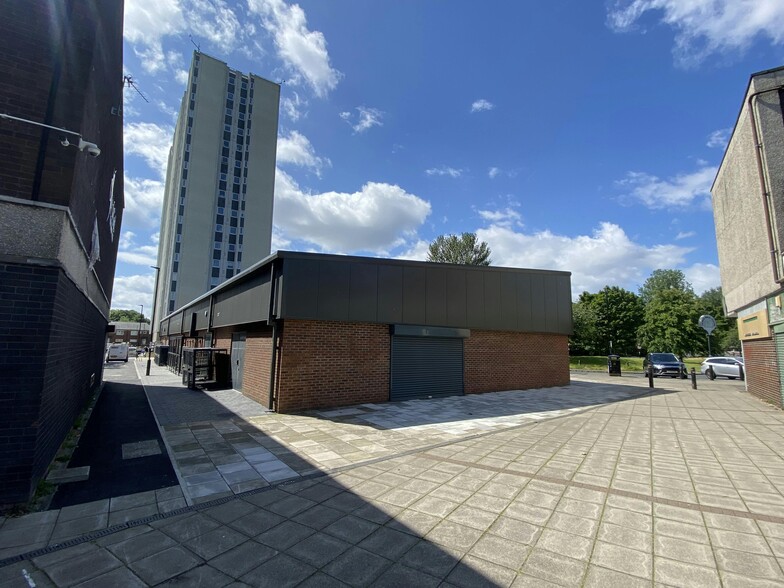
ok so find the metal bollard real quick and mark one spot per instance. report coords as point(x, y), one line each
point(693, 379)
point(741, 375)
point(650, 376)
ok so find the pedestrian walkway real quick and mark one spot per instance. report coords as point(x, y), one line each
point(600, 483)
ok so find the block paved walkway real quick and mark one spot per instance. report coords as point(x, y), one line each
point(673, 488)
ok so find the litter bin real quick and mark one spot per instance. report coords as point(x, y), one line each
point(614, 365)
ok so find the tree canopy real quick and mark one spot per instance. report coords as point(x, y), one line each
point(463, 249)
point(607, 322)
point(117, 315)
point(664, 279)
point(671, 323)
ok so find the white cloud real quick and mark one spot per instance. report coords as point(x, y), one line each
point(681, 191)
point(444, 171)
point(143, 201)
point(501, 218)
point(703, 276)
point(293, 106)
point(146, 256)
point(367, 118)
point(606, 257)
point(684, 235)
point(719, 138)
point(481, 104)
point(377, 218)
point(131, 291)
point(704, 27)
point(151, 142)
point(493, 172)
point(303, 51)
point(148, 22)
point(297, 150)
point(416, 252)
point(126, 239)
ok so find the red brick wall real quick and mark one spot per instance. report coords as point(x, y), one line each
point(762, 372)
point(500, 360)
point(325, 363)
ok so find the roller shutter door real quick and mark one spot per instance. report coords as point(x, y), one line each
point(779, 339)
point(426, 367)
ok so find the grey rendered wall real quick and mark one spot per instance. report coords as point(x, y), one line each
point(741, 235)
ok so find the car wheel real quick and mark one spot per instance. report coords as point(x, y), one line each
point(730, 377)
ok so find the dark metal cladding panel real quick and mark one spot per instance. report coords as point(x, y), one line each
point(334, 280)
point(390, 294)
point(202, 310)
point(414, 295)
point(551, 303)
point(524, 319)
point(425, 367)
point(363, 293)
point(300, 288)
point(475, 300)
point(436, 296)
point(508, 306)
point(178, 325)
point(246, 302)
point(493, 301)
point(564, 307)
point(538, 307)
point(456, 298)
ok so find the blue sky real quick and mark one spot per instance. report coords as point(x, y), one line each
point(577, 136)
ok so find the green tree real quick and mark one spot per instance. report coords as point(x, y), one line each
point(117, 315)
point(463, 249)
point(664, 279)
point(584, 338)
point(670, 323)
point(725, 336)
point(619, 315)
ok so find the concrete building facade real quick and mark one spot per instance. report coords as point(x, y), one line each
point(748, 208)
point(219, 182)
point(60, 214)
point(309, 330)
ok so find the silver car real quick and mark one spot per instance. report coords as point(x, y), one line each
point(728, 367)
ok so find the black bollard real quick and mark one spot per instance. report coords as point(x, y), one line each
point(650, 376)
point(693, 379)
point(741, 375)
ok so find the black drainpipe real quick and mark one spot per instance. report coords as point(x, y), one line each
point(764, 184)
point(275, 334)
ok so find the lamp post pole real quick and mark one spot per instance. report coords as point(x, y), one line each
point(152, 321)
point(141, 318)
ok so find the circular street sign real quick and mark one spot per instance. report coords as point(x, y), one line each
point(707, 322)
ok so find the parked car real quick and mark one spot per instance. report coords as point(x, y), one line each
point(728, 367)
point(664, 364)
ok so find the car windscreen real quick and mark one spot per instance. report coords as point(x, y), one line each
point(663, 357)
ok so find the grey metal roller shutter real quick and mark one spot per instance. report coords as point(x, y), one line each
point(425, 367)
point(779, 339)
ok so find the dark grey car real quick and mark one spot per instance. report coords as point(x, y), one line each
point(664, 364)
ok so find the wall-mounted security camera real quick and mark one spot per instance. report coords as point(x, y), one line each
point(92, 148)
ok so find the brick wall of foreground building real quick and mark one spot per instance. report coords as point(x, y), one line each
point(51, 354)
point(332, 364)
point(499, 360)
point(762, 372)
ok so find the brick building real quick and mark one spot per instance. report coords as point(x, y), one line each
point(326, 330)
point(748, 210)
point(61, 202)
point(132, 333)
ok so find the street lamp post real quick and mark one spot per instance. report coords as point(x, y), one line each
point(152, 321)
point(141, 318)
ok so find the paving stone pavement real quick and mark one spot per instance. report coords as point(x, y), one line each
point(673, 488)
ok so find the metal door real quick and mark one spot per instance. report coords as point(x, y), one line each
point(426, 367)
point(237, 360)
